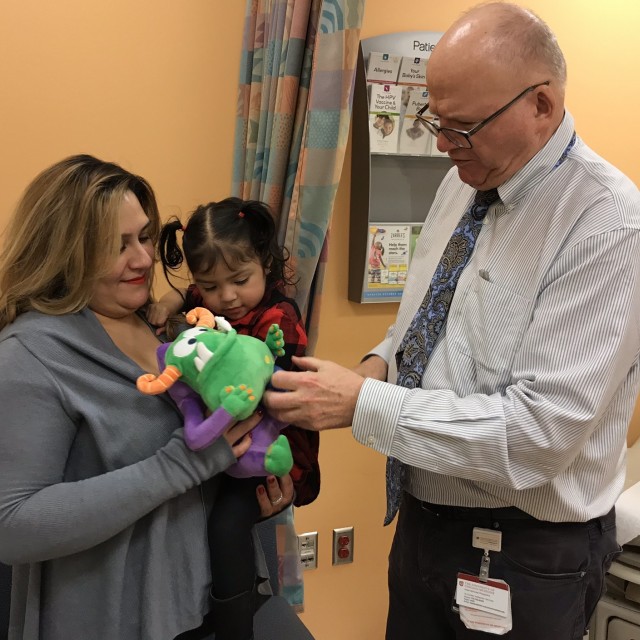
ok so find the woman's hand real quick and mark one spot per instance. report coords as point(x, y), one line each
point(277, 496)
point(238, 435)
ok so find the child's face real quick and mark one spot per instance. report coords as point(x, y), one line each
point(232, 293)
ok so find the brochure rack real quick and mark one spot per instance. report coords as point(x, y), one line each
point(391, 192)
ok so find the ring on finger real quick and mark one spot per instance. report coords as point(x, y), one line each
point(278, 500)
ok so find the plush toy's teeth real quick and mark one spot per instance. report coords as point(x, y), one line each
point(222, 324)
point(204, 355)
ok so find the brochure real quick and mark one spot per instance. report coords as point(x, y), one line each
point(383, 67)
point(384, 117)
point(413, 71)
point(414, 139)
point(388, 259)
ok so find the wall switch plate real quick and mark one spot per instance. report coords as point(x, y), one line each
point(343, 545)
point(308, 550)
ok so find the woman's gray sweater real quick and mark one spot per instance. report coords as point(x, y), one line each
point(101, 509)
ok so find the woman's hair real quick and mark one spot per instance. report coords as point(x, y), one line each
point(232, 231)
point(64, 236)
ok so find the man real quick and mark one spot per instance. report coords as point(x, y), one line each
point(506, 385)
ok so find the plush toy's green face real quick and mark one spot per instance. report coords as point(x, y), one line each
point(197, 349)
point(211, 360)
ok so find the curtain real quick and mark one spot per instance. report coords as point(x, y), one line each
point(294, 109)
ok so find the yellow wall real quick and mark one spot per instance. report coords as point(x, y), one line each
point(152, 84)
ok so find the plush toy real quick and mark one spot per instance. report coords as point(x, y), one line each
point(227, 373)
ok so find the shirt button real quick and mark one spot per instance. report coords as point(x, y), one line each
point(371, 440)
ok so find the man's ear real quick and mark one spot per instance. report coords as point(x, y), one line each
point(546, 103)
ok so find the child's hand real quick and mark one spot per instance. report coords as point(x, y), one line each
point(157, 314)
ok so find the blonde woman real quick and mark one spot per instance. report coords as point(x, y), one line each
point(102, 506)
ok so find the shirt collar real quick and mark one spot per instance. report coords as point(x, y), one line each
point(539, 166)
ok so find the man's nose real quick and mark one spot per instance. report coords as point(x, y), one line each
point(443, 144)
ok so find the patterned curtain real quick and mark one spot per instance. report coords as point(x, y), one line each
point(294, 108)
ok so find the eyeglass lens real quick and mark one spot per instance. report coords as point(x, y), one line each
point(454, 137)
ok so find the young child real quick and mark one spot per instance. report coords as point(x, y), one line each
point(376, 251)
point(239, 272)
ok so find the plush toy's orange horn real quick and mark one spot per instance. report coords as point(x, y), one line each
point(201, 317)
point(152, 386)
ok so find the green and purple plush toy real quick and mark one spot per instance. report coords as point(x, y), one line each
point(227, 373)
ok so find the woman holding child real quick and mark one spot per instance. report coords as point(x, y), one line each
point(103, 507)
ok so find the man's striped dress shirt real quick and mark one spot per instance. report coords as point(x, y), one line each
point(528, 393)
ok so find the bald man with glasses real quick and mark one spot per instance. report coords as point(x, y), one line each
point(501, 395)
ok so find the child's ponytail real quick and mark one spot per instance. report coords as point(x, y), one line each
point(171, 255)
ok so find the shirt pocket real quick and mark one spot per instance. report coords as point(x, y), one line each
point(494, 321)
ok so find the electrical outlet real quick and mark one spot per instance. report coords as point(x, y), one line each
point(308, 550)
point(343, 545)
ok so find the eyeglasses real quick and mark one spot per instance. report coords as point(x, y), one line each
point(462, 138)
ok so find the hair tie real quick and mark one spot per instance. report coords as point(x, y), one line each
point(240, 214)
point(183, 229)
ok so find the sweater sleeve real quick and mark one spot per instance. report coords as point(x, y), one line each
point(44, 517)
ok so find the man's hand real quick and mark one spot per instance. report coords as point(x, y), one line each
point(321, 396)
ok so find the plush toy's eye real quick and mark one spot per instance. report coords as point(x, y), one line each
point(187, 342)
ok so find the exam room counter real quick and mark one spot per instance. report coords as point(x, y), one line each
point(617, 616)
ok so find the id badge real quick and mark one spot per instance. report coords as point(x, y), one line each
point(486, 539)
point(484, 604)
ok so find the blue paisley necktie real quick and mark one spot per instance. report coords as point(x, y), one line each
point(421, 336)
